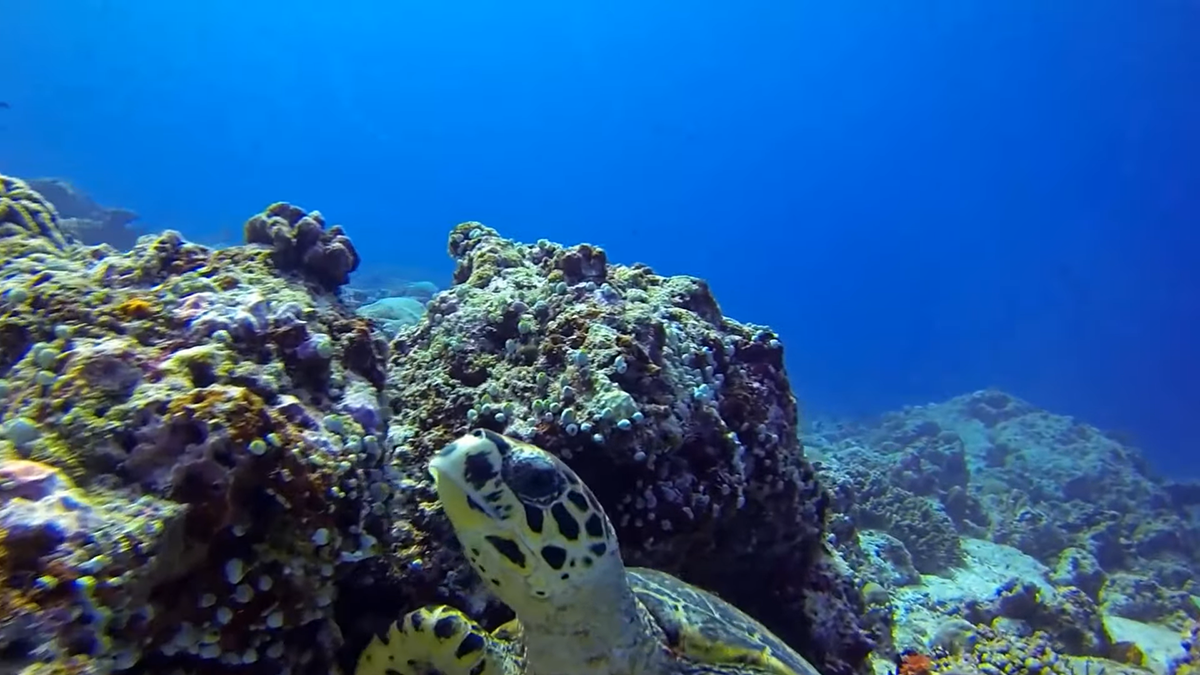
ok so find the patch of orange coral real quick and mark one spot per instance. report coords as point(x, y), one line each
point(136, 308)
point(912, 663)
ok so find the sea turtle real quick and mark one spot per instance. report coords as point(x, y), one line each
point(541, 542)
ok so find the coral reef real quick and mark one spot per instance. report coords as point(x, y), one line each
point(214, 460)
point(25, 212)
point(190, 456)
point(85, 221)
point(991, 652)
point(998, 468)
point(910, 499)
point(1189, 662)
point(209, 463)
point(680, 419)
point(991, 514)
point(300, 243)
point(393, 313)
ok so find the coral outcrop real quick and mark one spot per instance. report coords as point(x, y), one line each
point(189, 459)
point(1188, 663)
point(300, 243)
point(680, 419)
point(1075, 498)
point(986, 651)
point(84, 220)
point(25, 212)
point(209, 463)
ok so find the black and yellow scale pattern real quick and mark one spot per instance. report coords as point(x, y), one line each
point(443, 641)
point(25, 212)
point(548, 530)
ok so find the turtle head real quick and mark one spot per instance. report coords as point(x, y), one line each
point(531, 529)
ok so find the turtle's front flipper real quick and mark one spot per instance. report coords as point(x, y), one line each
point(437, 640)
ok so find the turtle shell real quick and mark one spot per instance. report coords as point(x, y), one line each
point(709, 634)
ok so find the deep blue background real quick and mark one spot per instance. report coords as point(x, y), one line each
point(923, 198)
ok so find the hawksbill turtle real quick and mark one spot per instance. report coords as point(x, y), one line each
point(543, 545)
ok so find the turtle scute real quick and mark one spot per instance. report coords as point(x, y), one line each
point(709, 635)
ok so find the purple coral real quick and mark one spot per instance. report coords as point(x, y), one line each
point(301, 243)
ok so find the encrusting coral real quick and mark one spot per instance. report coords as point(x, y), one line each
point(680, 419)
point(190, 446)
point(23, 211)
point(1189, 662)
point(208, 463)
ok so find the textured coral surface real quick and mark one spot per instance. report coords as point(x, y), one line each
point(214, 461)
point(209, 463)
point(992, 466)
point(188, 448)
point(987, 509)
point(680, 419)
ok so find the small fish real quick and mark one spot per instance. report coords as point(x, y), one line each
point(5, 105)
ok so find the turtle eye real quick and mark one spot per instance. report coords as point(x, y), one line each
point(534, 479)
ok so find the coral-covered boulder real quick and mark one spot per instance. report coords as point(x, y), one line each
point(681, 420)
point(300, 243)
point(190, 458)
point(23, 211)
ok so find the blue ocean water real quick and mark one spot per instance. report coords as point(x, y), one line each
point(922, 198)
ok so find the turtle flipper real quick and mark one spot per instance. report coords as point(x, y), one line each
point(437, 639)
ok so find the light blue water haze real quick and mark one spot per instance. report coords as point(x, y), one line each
point(923, 198)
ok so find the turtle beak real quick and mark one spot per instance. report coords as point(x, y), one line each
point(444, 461)
point(446, 467)
point(451, 471)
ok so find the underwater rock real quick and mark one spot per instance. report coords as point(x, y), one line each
point(890, 562)
point(26, 215)
point(85, 221)
point(681, 420)
point(870, 499)
point(300, 243)
point(196, 476)
point(1188, 663)
point(1046, 484)
point(1136, 597)
point(987, 651)
point(1064, 613)
point(1076, 567)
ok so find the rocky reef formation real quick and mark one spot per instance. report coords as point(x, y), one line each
point(84, 220)
point(189, 456)
point(27, 215)
point(992, 466)
point(301, 243)
point(392, 314)
point(968, 488)
point(1189, 662)
point(680, 419)
point(209, 463)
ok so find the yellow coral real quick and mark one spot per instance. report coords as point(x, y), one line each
point(238, 410)
point(24, 211)
point(136, 308)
